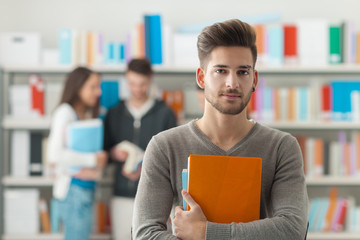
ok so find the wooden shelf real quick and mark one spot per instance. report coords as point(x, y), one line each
point(39, 181)
point(51, 236)
point(333, 236)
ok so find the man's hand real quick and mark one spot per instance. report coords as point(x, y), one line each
point(117, 154)
point(190, 224)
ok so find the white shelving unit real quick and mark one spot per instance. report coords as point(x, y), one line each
point(9, 123)
point(52, 237)
point(333, 236)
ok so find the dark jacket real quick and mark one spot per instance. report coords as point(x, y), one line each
point(119, 126)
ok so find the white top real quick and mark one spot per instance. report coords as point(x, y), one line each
point(58, 153)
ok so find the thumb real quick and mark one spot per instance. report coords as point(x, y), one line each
point(188, 199)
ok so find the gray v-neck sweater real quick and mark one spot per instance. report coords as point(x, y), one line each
point(284, 200)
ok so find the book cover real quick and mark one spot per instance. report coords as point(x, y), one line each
point(44, 216)
point(85, 136)
point(290, 44)
point(184, 184)
point(227, 188)
point(313, 42)
point(20, 153)
point(335, 46)
point(65, 46)
point(135, 155)
point(276, 45)
point(110, 93)
point(21, 214)
point(153, 38)
point(37, 94)
point(36, 162)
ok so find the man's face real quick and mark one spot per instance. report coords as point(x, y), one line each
point(139, 85)
point(229, 78)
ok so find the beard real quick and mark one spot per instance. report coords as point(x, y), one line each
point(233, 110)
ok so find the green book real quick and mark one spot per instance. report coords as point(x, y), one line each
point(335, 46)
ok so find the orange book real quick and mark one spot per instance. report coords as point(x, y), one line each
point(347, 167)
point(260, 32)
point(44, 216)
point(226, 188)
point(90, 49)
point(292, 104)
point(357, 48)
point(141, 40)
point(331, 209)
point(277, 105)
point(319, 157)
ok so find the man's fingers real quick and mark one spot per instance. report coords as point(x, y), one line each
point(188, 199)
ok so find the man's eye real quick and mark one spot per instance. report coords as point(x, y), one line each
point(243, 72)
point(220, 71)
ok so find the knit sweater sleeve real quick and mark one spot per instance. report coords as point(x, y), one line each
point(288, 201)
point(154, 197)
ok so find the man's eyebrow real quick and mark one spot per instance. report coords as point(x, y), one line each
point(226, 66)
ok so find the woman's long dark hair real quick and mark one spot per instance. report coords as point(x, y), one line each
point(74, 82)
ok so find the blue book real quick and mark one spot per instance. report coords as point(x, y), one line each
point(341, 99)
point(276, 45)
point(65, 46)
point(110, 53)
point(153, 39)
point(303, 104)
point(184, 185)
point(85, 136)
point(121, 50)
point(313, 211)
point(110, 93)
point(321, 215)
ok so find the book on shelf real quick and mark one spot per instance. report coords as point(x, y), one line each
point(135, 155)
point(219, 183)
point(334, 214)
point(85, 136)
point(333, 101)
point(44, 216)
point(331, 157)
point(37, 93)
point(28, 154)
point(21, 217)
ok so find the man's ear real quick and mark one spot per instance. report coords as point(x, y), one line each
point(200, 77)
point(256, 78)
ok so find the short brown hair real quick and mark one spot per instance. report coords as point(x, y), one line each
point(231, 33)
point(141, 66)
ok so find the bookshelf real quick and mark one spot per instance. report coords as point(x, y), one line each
point(167, 76)
point(52, 237)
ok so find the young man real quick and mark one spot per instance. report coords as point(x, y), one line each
point(227, 54)
point(136, 120)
